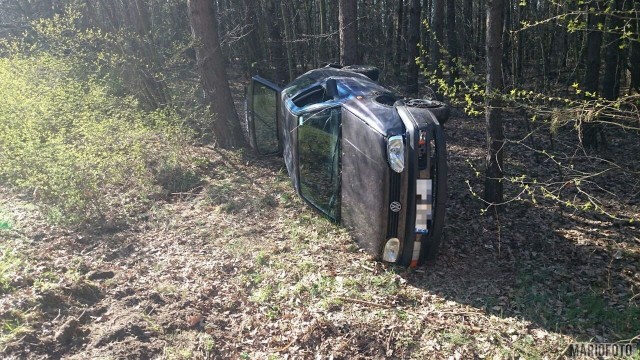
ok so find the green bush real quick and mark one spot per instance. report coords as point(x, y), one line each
point(88, 156)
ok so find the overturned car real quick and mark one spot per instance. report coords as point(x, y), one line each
point(360, 155)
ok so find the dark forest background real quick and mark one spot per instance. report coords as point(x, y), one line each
point(567, 73)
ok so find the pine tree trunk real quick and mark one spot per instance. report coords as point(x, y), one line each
point(634, 66)
point(277, 49)
point(452, 40)
point(389, 36)
point(493, 187)
point(437, 26)
point(412, 47)
point(323, 43)
point(592, 76)
point(614, 56)
point(211, 65)
point(399, 38)
point(288, 41)
point(467, 21)
point(348, 12)
point(253, 47)
point(634, 51)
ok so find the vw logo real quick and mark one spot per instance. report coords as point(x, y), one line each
point(395, 206)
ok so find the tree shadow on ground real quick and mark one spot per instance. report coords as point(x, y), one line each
point(564, 272)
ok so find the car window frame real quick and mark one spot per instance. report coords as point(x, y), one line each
point(316, 109)
point(251, 107)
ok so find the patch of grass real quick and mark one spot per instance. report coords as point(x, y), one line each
point(263, 294)
point(252, 279)
point(267, 201)
point(273, 313)
point(175, 178)
point(262, 258)
point(182, 346)
point(151, 324)
point(456, 337)
point(5, 224)
point(580, 309)
point(331, 304)
point(524, 347)
point(208, 344)
point(167, 288)
point(47, 280)
point(385, 282)
point(12, 325)
point(321, 286)
point(10, 263)
point(5, 220)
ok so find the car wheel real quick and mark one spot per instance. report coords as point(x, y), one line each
point(438, 108)
point(371, 72)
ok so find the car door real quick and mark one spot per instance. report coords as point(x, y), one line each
point(262, 111)
point(319, 159)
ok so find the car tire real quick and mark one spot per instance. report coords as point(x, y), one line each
point(438, 108)
point(371, 72)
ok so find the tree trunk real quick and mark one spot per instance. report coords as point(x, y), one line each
point(634, 53)
point(252, 48)
point(592, 76)
point(204, 28)
point(437, 26)
point(288, 41)
point(452, 40)
point(493, 186)
point(348, 12)
point(323, 43)
point(412, 47)
point(614, 59)
point(467, 21)
point(389, 36)
point(399, 38)
point(277, 49)
point(634, 67)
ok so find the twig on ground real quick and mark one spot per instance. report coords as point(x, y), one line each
point(363, 302)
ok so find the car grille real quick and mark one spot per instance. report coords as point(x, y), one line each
point(394, 196)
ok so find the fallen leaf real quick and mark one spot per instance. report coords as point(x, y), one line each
point(194, 320)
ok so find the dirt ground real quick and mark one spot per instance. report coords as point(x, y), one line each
point(239, 267)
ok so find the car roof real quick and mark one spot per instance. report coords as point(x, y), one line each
point(319, 76)
point(358, 94)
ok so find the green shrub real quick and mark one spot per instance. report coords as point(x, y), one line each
point(90, 157)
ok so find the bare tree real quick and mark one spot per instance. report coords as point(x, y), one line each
point(452, 39)
point(277, 48)
point(211, 65)
point(348, 12)
point(591, 82)
point(437, 26)
point(493, 186)
point(412, 47)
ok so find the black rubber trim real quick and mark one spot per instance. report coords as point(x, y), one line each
point(411, 146)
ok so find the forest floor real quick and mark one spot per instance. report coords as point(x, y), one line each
point(240, 267)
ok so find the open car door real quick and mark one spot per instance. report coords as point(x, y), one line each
point(263, 109)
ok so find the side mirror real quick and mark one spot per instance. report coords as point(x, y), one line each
point(332, 89)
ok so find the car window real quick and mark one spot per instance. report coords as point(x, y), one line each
point(265, 118)
point(319, 160)
point(299, 84)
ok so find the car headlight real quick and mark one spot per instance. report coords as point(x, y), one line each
point(395, 153)
point(391, 250)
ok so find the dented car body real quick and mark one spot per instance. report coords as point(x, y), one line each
point(359, 155)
